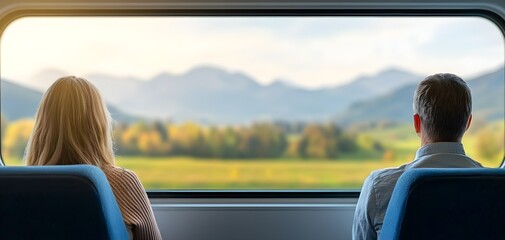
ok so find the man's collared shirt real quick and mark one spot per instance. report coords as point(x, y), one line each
point(379, 185)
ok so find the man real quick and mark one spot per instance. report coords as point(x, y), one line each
point(442, 114)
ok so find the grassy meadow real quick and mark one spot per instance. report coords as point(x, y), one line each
point(190, 173)
point(346, 172)
point(194, 173)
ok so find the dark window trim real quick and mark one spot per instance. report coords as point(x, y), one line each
point(250, 194)
point(251, 11)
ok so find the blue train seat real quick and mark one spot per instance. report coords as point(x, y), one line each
point(447, 204)
point(58, 202)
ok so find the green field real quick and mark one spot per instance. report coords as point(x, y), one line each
point(192, 173)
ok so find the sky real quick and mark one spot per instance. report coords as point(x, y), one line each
point(311, 52)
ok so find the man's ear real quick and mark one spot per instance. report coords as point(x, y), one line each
point(417, 123)
point(469, 122)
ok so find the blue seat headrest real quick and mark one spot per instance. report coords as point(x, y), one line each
point(58, 202)
point(447, 204)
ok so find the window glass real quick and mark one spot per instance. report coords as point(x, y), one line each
point(256, 102)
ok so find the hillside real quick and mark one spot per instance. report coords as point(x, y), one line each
point(488, 93)
point(17, 101)
point(22, 102)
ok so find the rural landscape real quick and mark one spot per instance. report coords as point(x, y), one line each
point(210, 128)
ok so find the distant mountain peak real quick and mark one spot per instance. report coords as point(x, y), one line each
point(52, 71)
point(162, 76)
point(206, 70)
point(380, 83)
point(497, 74)
point(388, 72)
point(282, 83)
point(216, 77)
point(393, 70)
point(93, 76)
point(43, 79)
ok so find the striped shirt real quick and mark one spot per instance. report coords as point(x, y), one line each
point(133, 202)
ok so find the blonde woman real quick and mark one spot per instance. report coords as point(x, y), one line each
point(73, 126)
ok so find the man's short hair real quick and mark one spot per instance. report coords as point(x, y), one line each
point(444, 103)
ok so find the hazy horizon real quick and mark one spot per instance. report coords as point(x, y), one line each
point(58, 72)
point(214, 95)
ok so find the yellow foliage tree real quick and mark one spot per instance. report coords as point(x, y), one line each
point(16, 137)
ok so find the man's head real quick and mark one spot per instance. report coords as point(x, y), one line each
point(442, 108)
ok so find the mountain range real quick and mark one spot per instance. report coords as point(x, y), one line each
point(488, 100)
point(212, 95)
point(19, 102)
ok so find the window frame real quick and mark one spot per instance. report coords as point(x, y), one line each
point(294, 9)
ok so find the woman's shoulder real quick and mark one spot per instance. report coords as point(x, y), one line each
point(109, 169)
point(122, 177)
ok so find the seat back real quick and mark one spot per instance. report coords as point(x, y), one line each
point(447, 204)
point(58, 202)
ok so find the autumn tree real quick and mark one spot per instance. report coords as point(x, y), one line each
point(16, 137)
point(324, 141)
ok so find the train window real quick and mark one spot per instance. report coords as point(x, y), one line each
point(256, 102)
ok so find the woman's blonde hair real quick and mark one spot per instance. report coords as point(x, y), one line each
point(72, 126)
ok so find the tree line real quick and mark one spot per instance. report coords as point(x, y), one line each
point(257, 140)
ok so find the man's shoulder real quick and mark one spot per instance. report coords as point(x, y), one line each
point(386, 177)
point(375, 196)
